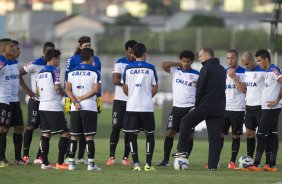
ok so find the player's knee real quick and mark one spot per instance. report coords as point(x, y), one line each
point(116, 129)
point(3, 129)
point(170, 133)
point(261, 135)
point(66, 134)
point(89, 137)
point(74, 138)
point(30, 128)
point(48, 135)
point(235, 136)
point(250, 133)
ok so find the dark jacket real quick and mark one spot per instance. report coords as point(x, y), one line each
point(210, 94)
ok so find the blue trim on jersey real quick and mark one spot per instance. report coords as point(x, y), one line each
point(82, 66)
point(189, 71)
point(39, 61)
point(3, 59)
point(12, 62)
point(238, 70)
point(124, 60)
point(273, 66)
point(50, 69)
point(256, 69)
point(140, 64)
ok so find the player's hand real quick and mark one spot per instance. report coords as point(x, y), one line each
point(99, 105)
point(231, 73)
point(67, 105)
point(271, 104)
point(77, 106)
point(32, 95)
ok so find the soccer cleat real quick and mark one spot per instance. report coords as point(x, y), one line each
point(93, 167)
point(164, 163)
point(266, 167)
point(111, 161)
point(125, 161)
point(231, 165)
point(81, 161)
point(3, 164)
point(38, 160)
point(67, 160)
point(252, 168)
point(71, 166)
point(26, 160)
point(149, 168)
point(19, 162)
point(45, 167)
point(63, 166)
point(180, 155)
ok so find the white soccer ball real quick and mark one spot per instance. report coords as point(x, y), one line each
point(245, 161)
point(181, 164)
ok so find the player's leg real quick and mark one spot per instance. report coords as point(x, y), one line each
point(62, 147)
point(3, 116)
point(81, 150)
point(225, 129)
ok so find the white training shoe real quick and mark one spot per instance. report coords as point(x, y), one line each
point(93, 167)
point(81, 161)
point(71, 166)
point(38, 160)
point(43, 166)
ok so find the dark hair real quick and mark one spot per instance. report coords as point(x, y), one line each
point(139, 50)
point(52, 53)
point(48, 44)
point(263, 53)
point(130, 44)
point(187, 54)
point(208, 50)
point(15, 42)
point(233, 51)
point(5, 40)
point(82, 40)
point(86, 54)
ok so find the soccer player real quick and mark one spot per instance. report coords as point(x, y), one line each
point(84, 42)
point(254, 78)
point(33, 69)
point(140, 84)
point(119, 105)
point(6, 51)
point(52, 117)
point(184, 90)
point(235, 104)
point(271, 108)
point(82, 88)
point(209, 106)
point(15, 116)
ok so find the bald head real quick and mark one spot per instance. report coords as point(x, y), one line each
point(248, 60)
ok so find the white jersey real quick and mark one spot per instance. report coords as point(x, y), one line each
point(14, 78)
point(47, 78)
point(5, 86)
point(271, 89)
point(235, 99)
point(184, 86)
point(119, 67)
point(34, 67)
point(82, 78)
point(140, 76)
point(254, 82)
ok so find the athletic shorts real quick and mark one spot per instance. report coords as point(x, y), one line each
point(3, 113)
point(175, 118)
point(235, 119)
point(134, 122)
point(118, 113)
point(53, 122)
point(252, 117)
point(15, 115)
point(83, 122)
point(33, 119)
point(269, 121)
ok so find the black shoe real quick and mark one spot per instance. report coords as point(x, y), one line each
point(180, 155)
point(164, 163)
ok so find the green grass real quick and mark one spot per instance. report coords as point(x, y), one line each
point(120, 174)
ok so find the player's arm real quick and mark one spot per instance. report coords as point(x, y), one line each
point(241, 86)
point(95, 89)
point(59, 89)
point(22, 72)
point(154, 90)
point(125, 89)
point(68, 91)
point(201, 85)
point(168, 64)
point(117, 79)
point(275, 102)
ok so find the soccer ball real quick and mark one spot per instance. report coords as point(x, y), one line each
point(181, 164)
point(245, 161)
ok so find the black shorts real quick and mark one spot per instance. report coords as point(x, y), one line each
point(53, 122)
point(235, 119)
point(175, 118)
point(136, 121)
point(3, 113)
point(83, 122)
point(269, 121)
point(15, 115)
point(252, 117)
point(118, 113)
point(33, 119)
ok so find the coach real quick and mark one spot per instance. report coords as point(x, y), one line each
point(209, 106)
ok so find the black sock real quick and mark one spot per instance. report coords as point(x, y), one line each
point(27, 141)
point(261, 138)
point(44, 149)
point(274, 145)
point(235, 149)
point(168, 144)
point(114, 138)
point(1, 146)
point(150, 146)
point(68, 149)
point(134, 147)
point(72, 148)
point(63, 144)
point(251, 145)
point(267, 150)
point(18, 139)
point(190, 146)
point(4, 145)
point(126, 146)
point(82, 144)
point(90, 147)
point(38, 155)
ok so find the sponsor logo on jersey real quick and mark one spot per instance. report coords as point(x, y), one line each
point(251, 84)
point(139, 71)
point(186, 83)
point(231, 86)
point(42, 75)
point(79, 87)
point(81, 73)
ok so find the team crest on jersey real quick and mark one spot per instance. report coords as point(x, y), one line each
point(1, 65)
point(276, 72)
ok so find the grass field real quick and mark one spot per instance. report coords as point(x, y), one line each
point(120, 174)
